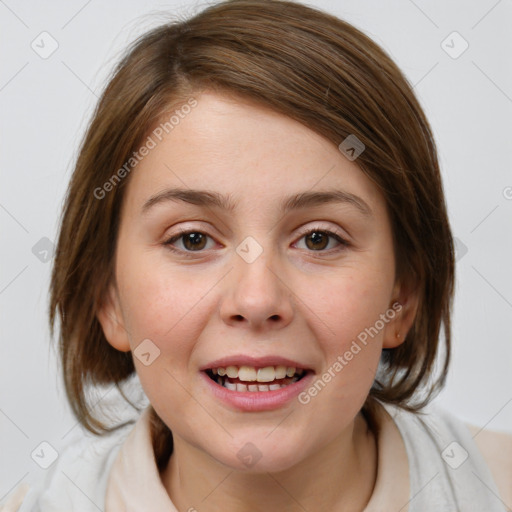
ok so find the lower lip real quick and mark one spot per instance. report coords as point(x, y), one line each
point(258, 400)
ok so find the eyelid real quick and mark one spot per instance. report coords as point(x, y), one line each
point(331, 233)
point(335, 231)
point(303, 231)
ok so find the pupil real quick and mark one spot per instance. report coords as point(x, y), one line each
point(193, 238)
point(317, 237)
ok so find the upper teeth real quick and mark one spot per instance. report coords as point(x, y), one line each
point(251, 374)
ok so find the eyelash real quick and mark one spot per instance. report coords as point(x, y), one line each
point(190, 254)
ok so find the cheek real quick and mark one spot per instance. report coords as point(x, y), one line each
point(348, 304)
point(164, 307)
point(162, 304)
point(349, 312)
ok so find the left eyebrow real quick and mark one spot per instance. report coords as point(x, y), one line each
point(294, 202)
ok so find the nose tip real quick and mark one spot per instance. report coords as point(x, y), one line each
point(257, 295)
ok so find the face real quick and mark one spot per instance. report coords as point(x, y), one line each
point(244, 276)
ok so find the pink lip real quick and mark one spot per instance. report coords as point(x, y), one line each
point(257, 400)
point(256, 362)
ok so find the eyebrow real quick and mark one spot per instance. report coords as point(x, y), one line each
point(215, 199)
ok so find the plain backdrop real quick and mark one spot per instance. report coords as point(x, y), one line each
point(47, 102)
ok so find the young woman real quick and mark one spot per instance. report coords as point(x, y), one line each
point(256, 227)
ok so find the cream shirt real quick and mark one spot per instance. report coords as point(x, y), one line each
point(434, 453)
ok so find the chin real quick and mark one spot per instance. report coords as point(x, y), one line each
point(261, 456)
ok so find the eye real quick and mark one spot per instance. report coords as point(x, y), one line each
point(318, 239)
point(193, 241)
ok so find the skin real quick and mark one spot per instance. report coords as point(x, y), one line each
point(294, 300)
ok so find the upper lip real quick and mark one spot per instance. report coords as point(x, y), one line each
point(256, 362)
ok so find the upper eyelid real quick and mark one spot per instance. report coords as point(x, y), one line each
point(302, 229)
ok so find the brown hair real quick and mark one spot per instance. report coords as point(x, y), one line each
point(305, 64)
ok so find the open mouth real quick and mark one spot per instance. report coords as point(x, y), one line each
point(252, 379)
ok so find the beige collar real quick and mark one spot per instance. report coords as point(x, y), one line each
point(134, 483)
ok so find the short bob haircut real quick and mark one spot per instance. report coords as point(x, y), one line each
point(311, 67)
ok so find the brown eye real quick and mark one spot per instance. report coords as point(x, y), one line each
point(191, 241)
point(318, 240)
point(194, 241)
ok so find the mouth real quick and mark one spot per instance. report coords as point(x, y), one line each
point(251, 379)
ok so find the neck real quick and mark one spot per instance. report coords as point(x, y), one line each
point(341, 476)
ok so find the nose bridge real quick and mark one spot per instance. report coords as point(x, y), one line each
point(257, 293)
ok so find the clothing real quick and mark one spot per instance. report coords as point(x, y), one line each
point(118, 472)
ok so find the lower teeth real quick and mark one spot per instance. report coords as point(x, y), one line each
point(232, 386)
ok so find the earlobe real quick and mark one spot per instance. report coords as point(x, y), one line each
point(112, 322)
point(396, 331)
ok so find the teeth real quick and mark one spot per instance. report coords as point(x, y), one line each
point(230, 385)
point(251, 387)
point(251, 374)
point(232, 372)
point(247, 373)
point(267, 374)
point(280, 372)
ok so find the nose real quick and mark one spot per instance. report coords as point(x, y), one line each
point(257, 295)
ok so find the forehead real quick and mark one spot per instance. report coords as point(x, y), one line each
point(244, 150)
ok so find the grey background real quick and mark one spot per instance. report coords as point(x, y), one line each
point(46, 104)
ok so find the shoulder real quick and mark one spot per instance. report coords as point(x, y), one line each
point(496, 448)
point(476, 467)
point(76, 480)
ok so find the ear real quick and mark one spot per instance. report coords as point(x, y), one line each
point(405, 305)
point(110, 316)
